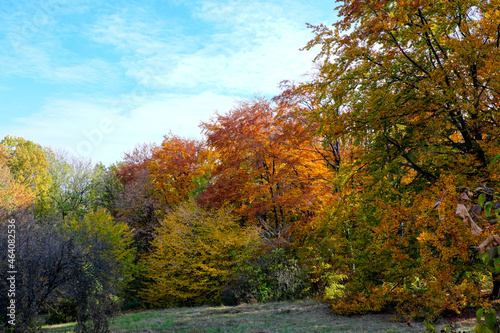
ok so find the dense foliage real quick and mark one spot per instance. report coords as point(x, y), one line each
point(195, 252)
point(410, 91)
point(376, 183)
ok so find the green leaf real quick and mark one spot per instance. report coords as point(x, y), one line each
point(496, 264)
point(479, 315)
point(491, 321)
point(496, 159)
point(481, 199)
point(429, 326)
point(481, 328)
point(488, 206)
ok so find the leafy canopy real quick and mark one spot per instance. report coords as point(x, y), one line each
point(411, 90)
point(195, 254)
point(414, 83)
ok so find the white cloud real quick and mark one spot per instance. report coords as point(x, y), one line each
point(246, 47)
point(180, 74)
point(96, 129)
point(88, 71)
point(129, 35)
point(35, 62)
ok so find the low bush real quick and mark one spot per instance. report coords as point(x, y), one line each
point(273, 276)
point(62, 311)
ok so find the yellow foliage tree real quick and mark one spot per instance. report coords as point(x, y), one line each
point(99, 226)
point(28, 163)
point(12, 194)
point(29, 167)
point(195, 253)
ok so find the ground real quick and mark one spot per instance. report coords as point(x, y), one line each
point(291, 317)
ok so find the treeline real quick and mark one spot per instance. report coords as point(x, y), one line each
point(63, 254)
point(373, 185)
point(187, 222)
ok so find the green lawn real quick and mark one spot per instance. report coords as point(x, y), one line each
point(300, 316)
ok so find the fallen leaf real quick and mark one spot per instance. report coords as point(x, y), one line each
point(463, 213)
point(489, 243)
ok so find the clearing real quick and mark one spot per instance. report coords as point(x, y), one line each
point(291, 317)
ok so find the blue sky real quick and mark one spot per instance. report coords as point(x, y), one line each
point(97, 78)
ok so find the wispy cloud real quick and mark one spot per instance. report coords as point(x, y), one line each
point(36, 62)
point(246, 47)
point(95, 128)
point(33, 44)
point(166, 70)
point(129, 35)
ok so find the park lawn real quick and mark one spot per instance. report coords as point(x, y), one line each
point(291, 317)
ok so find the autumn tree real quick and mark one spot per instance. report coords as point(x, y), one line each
point(134, 162)
point(27, 163)
point(180, 169)
point(414, 83)
point(195, 254)
point(136, 204)
point(12, 194)
point(410, 88)
point(269, 165)
point(155, 180)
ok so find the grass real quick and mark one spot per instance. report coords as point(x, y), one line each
point(282, 317)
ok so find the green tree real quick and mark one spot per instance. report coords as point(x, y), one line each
point(74, 183)
point(85, 261)
point(100, 225)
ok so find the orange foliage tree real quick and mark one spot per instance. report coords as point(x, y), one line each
point(180, 169)
point(411, 89)
point(269, 165)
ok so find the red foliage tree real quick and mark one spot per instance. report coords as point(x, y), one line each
point(269, 165)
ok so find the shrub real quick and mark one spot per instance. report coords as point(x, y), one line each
point(82, 265)
point(61, 311)
point(273, 276)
